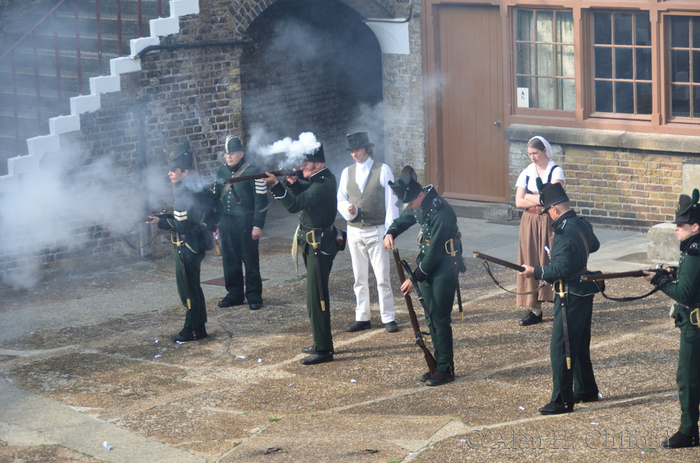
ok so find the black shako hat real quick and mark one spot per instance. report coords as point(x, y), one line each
point(551, 194)
point(181, 157)
point(688, 210)
point(358, 140)
point(406, 188)
point(233, 144)
point(315, 155)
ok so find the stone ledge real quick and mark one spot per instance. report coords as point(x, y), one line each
point(481, 210)
point(606, 139)
point(662, 244)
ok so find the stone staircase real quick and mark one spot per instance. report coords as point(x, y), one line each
point(79, 91)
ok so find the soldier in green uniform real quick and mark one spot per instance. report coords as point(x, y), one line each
point(244, 211)
point(435, 267)
point(186, 229)
point(314, 197)
point(685, 290)
point(572, 372)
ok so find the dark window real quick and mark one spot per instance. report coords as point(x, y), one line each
point(622, 60)
point(685, 66)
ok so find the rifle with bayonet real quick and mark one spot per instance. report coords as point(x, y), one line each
point(496, 260)
point(429, 359)
point(669, 271)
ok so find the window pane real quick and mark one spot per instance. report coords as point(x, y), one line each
point(624, 97)
point(525, 26)
point(566, 92)
point(642, 63)
point(528, 82)
point(642, 29)
point(696, 66)
point(545, 93)
point(601, 25)
point(603, 63)
point(622, 26)
point(680, 66)
point(525, 62)
point(565, 27)
point(603, 96)
point(643, 98)
point(696, 32)
point(565, 57)
point(544, 26)
point(623, 63)
point(545, 60)
point(679, 31)
point(680, 100)
point(696, 101)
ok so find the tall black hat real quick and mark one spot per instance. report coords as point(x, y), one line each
point(406, 188)
point(688, 210)
point(315, 155)
point(181, 157)
point(551, 194)
point(358, 140)
point(233, 144)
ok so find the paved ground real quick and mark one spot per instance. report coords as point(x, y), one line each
point(86, 359)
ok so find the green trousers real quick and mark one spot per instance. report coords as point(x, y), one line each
point(197, 315)
point(239, 249)
point(439, 293)
point(320, 319)
point(688, 373)
point(580, 378)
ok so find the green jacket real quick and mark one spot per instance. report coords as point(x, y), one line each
point(685, 289)
point(569, 257)
point(189, 200)
point(438, 223)
point(315, 200)
point(252, 194)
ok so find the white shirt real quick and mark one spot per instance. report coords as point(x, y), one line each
point(361, 174)
point(531, 171)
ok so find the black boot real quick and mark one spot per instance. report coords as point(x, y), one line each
point(556, 408)
point(200, 333)
point(439, 378)
point(185, 335)
point(680, 441)
point(318, 357)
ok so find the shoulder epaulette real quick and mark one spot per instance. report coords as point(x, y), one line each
point(694, 249)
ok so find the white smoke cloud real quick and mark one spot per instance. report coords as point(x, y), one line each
point(293, 150)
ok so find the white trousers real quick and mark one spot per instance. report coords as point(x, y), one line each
point(366, 246)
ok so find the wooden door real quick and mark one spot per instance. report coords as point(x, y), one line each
point(472, 157)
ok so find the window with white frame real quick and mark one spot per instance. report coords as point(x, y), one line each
point(545, 59)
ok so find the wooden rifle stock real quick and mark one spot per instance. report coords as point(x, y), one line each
point(247, 178)
point(429, 359)
point(498, 261)
point(633, 273)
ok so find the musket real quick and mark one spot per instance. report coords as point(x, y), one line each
point(429, 359)
point(163, 215)
point(418, 291)
point(634, 273)
point(276, 173)
point(498, 261)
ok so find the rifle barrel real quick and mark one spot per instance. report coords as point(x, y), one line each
point(610, 276)
point(246, 178)
point(498, 261)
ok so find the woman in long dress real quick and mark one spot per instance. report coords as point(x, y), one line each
point(536, 232)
